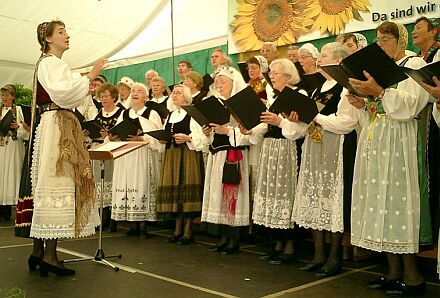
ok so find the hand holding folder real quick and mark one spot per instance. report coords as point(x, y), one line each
point(424, 74)
point(210, 110)
point(291, 100)
point(371, 59)
point(246, 107)
point(128, 127)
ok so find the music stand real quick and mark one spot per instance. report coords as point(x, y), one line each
point(103, 152)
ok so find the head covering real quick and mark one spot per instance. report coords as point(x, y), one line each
point(311, 49)
point(42, 30)
point(263, 63)
point(436, 24)
point(402, 42)
point(238, 83)
point(360, 40)
point(9, 88)
point(101, 78)
point(126, 81)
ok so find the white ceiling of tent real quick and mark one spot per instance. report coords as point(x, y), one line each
point(129, 31)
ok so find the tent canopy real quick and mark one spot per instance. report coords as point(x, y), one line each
point(126, 32)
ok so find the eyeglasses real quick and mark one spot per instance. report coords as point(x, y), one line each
point(383, 39)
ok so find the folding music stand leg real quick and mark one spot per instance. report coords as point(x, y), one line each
point(99, 255)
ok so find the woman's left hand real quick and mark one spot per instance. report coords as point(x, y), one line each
point(433, 90)
point(270, 118)
point(369, 87)
point(181, 138)
point(292, 117)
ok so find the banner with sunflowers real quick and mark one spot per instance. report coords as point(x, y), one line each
point(285, 22)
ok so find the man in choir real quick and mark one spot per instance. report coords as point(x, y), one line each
point(124, 87)
point(292, 53)
point(218, 58)
point(182, 69)
point(269, 51)
point(149, 75)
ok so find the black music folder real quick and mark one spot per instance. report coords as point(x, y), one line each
point(27, 114)
point(246, 107)
point(5, 123)
point(210, 110)
point(371, 59)
point(291, 100)
point(242, 66)
point(207, 81)
point(425, 73)
point(125, 128)
point(159, 108)
point(161, 134)
point(310, 82)
point(93, 127)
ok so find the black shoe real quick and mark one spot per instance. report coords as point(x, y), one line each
point(61, 271)
point(133, 232)
point(33, 262)
point(311, 267)
point(113, 226)
point(218, 247)
point(271, 256)
point(231, 250)
point(329, 271)
point(185, 240)
point(284, 258)
point(143, 234)
point(174, 238)
point(400, 288)
point(381, 283)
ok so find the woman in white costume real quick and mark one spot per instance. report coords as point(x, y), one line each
point(136, 175)
point(386, 198)
point(276, 180)
point(11, 152)
point(226, 205)
point(62, 180)
point(323, 194)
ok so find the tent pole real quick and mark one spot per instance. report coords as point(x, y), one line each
point(172, 44)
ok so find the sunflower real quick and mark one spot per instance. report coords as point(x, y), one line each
point(333, 15)
point(279, 21)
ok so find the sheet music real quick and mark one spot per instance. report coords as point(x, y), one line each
point(110, 146)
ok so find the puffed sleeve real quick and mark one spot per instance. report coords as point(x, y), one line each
point(198, 139)
point(293, 130)
point(153, 122)
point(65, 88)
point(258, 132)
point(408, 100)
point(236, 138)
point(22, 133)
point(344, 120)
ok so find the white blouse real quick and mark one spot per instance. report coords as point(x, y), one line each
point(198, 139)
point(66, 88)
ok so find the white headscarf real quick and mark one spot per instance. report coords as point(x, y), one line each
point(238, 83)
point(263, 63)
